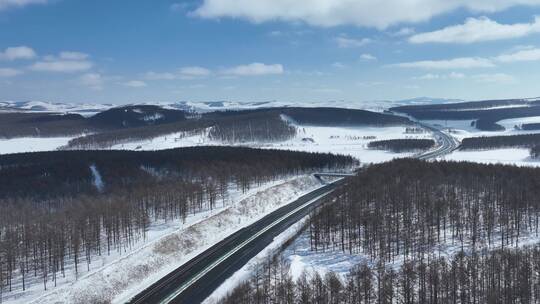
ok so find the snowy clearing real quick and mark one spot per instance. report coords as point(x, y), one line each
point(510, 156)
point(118, 277)
point(32, 144)
point(339, 140)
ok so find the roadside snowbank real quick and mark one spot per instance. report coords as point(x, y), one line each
point(122, 279)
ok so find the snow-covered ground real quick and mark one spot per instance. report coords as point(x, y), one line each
point(510, 156)
point(348, 141)
point(118, 277)
point(32, 144)
point(302, 259)
point(340, 140)
point(461, 129)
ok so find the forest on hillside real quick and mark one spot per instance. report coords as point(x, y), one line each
point(36, 124)
point(484, 118)
point(530, 126)
point(498, 142)
point(402, 145)
point(69, 207)
point(429, 232)
point(261, 125)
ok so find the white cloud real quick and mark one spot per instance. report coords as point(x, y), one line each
point(477, 30)
point(17, 52)
point(406, 31)
point(255, 69)
point(9, 72)
point(6, 4)
point(159, 76)
point(370, 83)
point(194, 72)
point(73, 56)
point(367, 57)
point(135, 84)
point(524, 55)
point(326, 13)
point(62, 66)
point(338, 65)
point(92, 80)
point(498, 78)
point(456, 63)
point(430, 76)
point(345, 42)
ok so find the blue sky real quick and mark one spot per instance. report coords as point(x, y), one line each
point(254, 50)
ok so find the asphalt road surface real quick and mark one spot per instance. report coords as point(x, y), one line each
point(447, 144)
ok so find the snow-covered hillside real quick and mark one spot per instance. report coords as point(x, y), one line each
point(169, 244)
point(85, 109)
point(340, 140)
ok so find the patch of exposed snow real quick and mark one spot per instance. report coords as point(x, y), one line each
point(97, 180)
point(153, 117)
point(32, 144)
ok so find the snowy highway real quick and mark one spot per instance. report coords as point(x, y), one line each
point(197, 279)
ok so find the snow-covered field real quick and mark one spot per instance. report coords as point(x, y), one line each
point(340, 140)
point(348, 141)
point(118, 277)
point(510, 156)
point(32, 144)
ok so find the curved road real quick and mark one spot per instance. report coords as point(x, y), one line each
point(194, 281)
point(446, 143)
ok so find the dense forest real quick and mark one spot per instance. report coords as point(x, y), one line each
point(468, 105)
point(485, 119)
point(408, 208)
point(65, 208)
point(530, 126)
point(21, 124)
point(497, 277)
point(14, 124)
point(342, 117)
point(496, 142)
point(402, 145)
point(251, 126)
point(429, 232)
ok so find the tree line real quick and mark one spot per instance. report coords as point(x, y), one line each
point(484, 118)
point(402, 145)
point(407, 208)
point(496, 142)
point(53, 217)
point(497, 277)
